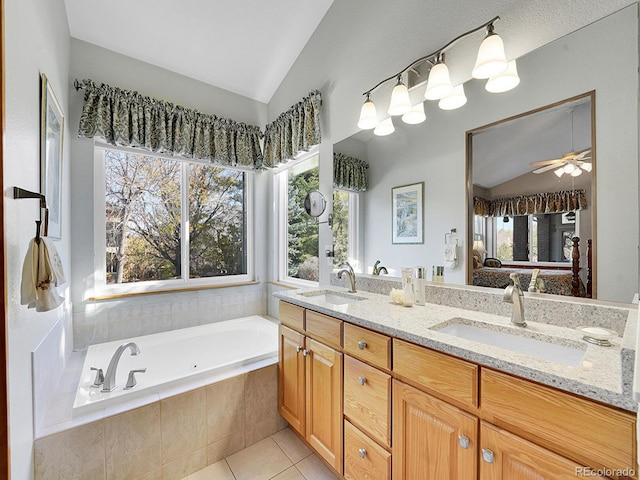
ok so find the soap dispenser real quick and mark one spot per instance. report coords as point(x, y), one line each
point(407, 287)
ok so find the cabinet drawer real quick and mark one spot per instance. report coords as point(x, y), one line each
point(372, 347)
point(324, 328)
point(441, 374)
point(595, 435)
point(363, 458)
point(367, 399)
point(292, 316)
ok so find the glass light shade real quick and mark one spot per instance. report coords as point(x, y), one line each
point(385, 127)
point(439, 82)
point(415, 115)
point(478, 246)
point(400, 103)
point(568, 168)
point(576, 172)
point(586, 167)
point(368, 116)
point(454, 100)
point(505, 81)
point(559, 172)
point(491, 59)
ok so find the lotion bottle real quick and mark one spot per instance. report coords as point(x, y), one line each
point(421, 274)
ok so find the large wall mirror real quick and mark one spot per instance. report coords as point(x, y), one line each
point(561, 82)
point(532, 200)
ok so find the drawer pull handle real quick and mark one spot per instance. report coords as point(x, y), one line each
point(487, 455)
point(362, 452)
point(305, 352)
point(463, 440)
point(362, 344)
point(298, 349)
point(362, 380)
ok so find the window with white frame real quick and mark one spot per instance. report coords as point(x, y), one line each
point(345, 228)
point(162, 222)
point(298, 231)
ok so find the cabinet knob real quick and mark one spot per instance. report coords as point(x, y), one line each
point(487, 455)
point(463, 440)
point(362, 452)
point(362, 344)
point(298, 349)
point(362, 380)
point(305, 352)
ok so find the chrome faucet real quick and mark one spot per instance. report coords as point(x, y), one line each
point(350, 274)
point(110, 376)
point(378, 270)
point(513, 294)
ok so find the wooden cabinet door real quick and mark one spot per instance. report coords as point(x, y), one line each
point(324, 402)
point(506, 456)
point(291, 375)
point(432, 440)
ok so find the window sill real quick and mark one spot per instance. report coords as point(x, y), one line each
point(172, 290)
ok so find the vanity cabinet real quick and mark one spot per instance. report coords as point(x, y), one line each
point(310, 379)
point(432, 440)
point(506, 456)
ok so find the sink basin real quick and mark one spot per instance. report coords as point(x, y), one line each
point(335, 298)
point(566, 352)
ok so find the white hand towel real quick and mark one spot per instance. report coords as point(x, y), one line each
point(450, 255)
point(41, 273)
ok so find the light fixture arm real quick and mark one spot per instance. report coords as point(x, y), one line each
point(435, 54)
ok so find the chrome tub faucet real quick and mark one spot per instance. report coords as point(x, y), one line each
point(110, 376)
point(513, 294)
point(350, 274)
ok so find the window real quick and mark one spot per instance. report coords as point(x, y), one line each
point(535, 238)
point(345, 223)
point(299, 231)
point(170, 221)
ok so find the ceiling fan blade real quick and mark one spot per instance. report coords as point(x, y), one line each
point(583, 154)
point(546, 162)
point(547, 168)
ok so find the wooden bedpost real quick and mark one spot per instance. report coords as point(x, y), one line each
point(575, 268)
point(589, 270)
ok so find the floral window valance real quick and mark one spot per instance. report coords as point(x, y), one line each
point(294, 131)
point(127, 118)
point(552, 202)
point(349, 172)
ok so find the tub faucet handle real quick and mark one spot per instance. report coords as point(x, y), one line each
point(99, 380)
point(131, 381)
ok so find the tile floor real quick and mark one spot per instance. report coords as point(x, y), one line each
point(282, 456)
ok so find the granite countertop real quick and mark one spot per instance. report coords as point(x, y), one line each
point(604, 374)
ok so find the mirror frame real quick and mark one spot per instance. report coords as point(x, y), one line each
point(469, 181)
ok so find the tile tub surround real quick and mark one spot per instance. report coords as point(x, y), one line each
point(103, 321)
point(168, 439)
point(605, 373)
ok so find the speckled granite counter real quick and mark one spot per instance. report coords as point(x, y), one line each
point(605, 374)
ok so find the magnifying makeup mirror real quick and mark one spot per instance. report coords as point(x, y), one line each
point(315, 203)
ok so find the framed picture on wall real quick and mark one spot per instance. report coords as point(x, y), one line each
point(51, 137)
point(407, 214)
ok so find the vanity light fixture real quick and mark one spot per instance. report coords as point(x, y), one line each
point(400, 103)
point(490, 63)
point(455, 99)
point(415, 115)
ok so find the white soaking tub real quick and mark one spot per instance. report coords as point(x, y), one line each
point(177, 361)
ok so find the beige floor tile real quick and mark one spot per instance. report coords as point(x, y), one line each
point(132, 442)
point(225, 408)
point(291, 445)
point(218, 471)
point(184, 426)
point(261, 461)
point(224, 447)
point(186, 465)
point(289, 474)
point(312, 468)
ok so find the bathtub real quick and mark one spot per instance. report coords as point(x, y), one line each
point(177, 361)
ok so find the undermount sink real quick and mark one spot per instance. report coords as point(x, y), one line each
point(566, 352)
point(335, 298)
